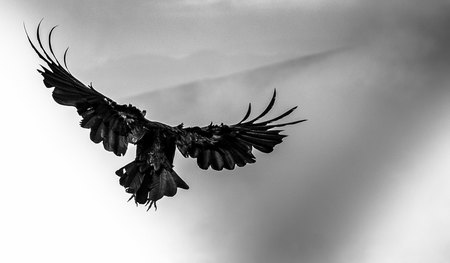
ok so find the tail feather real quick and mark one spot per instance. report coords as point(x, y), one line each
point(146, 184)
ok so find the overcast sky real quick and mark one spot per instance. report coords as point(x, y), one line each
point(179, 28)
point(157, 44)
point(364, 180)
point(150, 45)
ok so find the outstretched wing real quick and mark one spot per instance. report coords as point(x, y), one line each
point(115, 125)
point(223, 146)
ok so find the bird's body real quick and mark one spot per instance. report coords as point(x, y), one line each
point(151, 176)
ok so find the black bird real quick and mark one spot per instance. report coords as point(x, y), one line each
point(151, 176)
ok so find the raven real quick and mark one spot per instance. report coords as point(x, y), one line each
point(151, 176)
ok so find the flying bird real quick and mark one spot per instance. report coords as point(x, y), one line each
point(151, 175)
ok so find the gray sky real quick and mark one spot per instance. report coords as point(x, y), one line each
point(179, 28)
point(150, 45)
point(156, 44)
point(364, 180)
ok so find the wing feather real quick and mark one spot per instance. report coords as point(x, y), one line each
point(224, 146)
point(114, 125)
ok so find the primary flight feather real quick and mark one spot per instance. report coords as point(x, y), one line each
point(151, 176)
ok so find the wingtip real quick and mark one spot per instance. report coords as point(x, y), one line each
point(65, 59)
point(247, 114)
point(38, 35)
point(295, 122)
point(50, 44)
point(268, 108)
point(26, 32)
point(38, 30)
point(39, 24)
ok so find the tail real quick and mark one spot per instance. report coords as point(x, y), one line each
point(147, 184)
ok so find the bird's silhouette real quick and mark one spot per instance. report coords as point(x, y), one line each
point(151, 176)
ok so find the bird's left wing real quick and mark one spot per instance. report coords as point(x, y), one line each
point(115, 125)
point(224, 146)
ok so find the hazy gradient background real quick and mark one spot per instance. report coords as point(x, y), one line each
point(365, 180)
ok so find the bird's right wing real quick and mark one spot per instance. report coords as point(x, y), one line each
point(115, 125)
point(224, 146)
